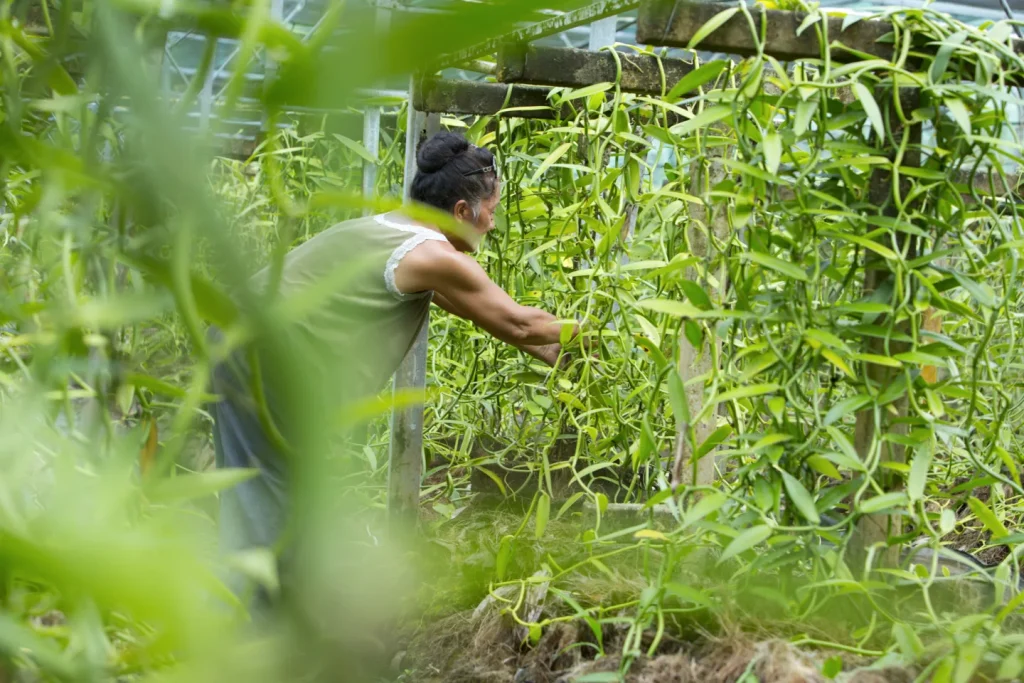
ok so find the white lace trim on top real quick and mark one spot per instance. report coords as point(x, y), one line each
point(419, 235)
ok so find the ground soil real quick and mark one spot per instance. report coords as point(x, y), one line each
point(482, 646)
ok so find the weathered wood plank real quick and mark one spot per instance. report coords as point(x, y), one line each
point(568, 67)
point(483, 99)
point(671, 24)
point(663, 22)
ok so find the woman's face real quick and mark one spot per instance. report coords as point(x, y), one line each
point(480, 224)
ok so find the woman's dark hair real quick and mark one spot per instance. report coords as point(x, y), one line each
point(448, 169)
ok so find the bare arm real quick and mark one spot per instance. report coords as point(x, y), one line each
point(462, 287)
point(548, 353)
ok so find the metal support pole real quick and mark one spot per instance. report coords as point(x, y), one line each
point(269, 63)
point(206, 100)
point(371, 141)
point(602, 32)
point(371, 126)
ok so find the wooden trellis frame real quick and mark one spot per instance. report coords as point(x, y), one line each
point(523, 68)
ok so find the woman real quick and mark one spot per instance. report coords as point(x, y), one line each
point(380, 275)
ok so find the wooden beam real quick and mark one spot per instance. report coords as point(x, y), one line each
point(673, 23)
point(641, 74)
point(540, 29)
point(482, 99)
point(664, 22)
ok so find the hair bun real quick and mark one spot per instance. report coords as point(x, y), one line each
point(439, 150)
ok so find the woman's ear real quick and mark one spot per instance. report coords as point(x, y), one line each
point(463, 211)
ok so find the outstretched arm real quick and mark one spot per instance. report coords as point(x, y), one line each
point(548, 353)
point(462, 287)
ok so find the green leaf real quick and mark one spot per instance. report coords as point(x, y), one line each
point(745, 541)
point(967, 662)
point(504, 554)
point(772, 152)
point(543, 511)
point(832, 667)
point(877, 360)
point(804, 113)
point(677, 398)
point(845, 407)
point(919, 467)
point(884, 252)
point(704, 507)
point(979, 292)
point(942, 55)
point(696, 78)
point(867, 100)
point(715, 438)
point(960, 114)
point(988, 518)
point(801, 498)
point(885, 501)
point(191, 486)
point(358, 148)
point(702, 120)
point(778, 265)
point(688, 594)
point(696, 294)
point(822, 465)
point(947, 521)
point(599, 677)
point(747, 392)
point(682, 309)
point(551, 159)
point(587, 91)
point(712, 25)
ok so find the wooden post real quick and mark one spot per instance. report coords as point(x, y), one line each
point(873, 531)
point(707, 171)
point(405, 467)
point(371, 125)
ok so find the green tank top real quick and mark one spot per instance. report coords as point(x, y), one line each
point(351, 314)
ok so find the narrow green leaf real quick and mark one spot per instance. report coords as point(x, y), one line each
point(745, 541)
point(704, 507)
point(979, 292)
point(191, 486)
point(504, 555)
point(681, 309)
point(821, 465)
point(960, 114)
point(801, 498)
point(551, 159)
point(884, 252)
point(713, 24)
point(772, 152)
point(947, 521)
point(714, 439)
point(919, 474)
point(747, 392)
point(988, 518)
point(702, 120)
point(588, 90)
point(804, 113)
point(688, 594)
point(696, 78)
point(845, 407)
point(357, 147)
point(867, 100)
point(677, 398)
point(543, 511)
point(778, 265)
point(885, 501)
